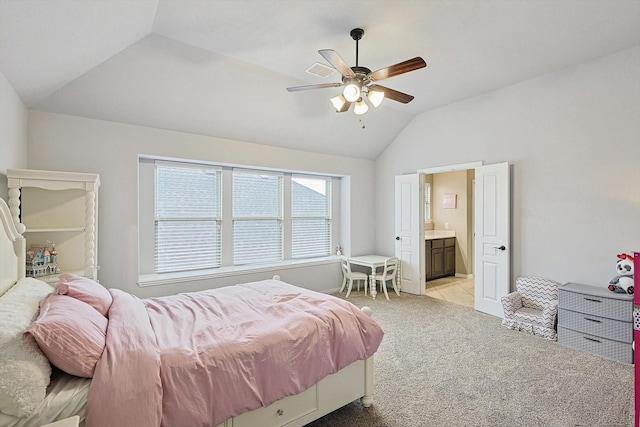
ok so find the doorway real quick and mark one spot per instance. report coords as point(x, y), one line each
point(490, 233)
point(448, 199)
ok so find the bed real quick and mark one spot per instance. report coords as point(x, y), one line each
point(210, 358)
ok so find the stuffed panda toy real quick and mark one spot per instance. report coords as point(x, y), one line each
point(623, 282)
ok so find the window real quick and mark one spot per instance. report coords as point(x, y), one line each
point(427, 202)
point(257, 217)
point(310, 217)
point(199, 218)
point(187, 218)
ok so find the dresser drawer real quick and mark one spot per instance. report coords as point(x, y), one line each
point(437, 243)
point(595, 325)
point(601, 346)
point(596, 305)
point(281, 412)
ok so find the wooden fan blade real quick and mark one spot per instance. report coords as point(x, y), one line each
point(309, 87)
point(397, 69)
point(338, 63)
point(345, 107)
point(393, 94)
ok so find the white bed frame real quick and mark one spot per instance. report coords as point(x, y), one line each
point(331, 393)
point(12, 250)
point(352, 382)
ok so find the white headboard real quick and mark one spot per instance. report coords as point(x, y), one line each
point(12, 250)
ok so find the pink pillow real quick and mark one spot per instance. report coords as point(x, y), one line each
point(86, 290)
point(70, 333)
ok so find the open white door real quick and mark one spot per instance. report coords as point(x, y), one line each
point(409, 225)
point(492, 237)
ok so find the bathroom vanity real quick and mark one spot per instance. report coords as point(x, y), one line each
point(439, 253)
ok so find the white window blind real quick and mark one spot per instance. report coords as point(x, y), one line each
point(257, 217)
point(187, 217)
point(310, 217)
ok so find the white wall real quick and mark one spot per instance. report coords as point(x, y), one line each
point(13, 133)
point(69, 143)
point(573, 140)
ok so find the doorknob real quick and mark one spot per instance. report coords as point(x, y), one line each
point(500, 248)
point(397, 237)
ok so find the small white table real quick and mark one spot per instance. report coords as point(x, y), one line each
point(373, 262)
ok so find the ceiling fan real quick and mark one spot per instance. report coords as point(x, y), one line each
point(358, 81)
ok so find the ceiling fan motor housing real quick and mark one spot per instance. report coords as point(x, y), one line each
point(361, 74)
point(361, 70)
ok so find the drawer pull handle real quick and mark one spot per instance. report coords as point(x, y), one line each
point(280, 412)
point(592, 300)
point(593, 320)
point(592, 339)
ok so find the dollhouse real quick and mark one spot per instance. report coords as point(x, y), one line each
point(41, 260)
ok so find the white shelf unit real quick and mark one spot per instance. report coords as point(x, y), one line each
point(60, 207)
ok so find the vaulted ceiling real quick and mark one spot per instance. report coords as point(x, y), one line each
point(221, 67)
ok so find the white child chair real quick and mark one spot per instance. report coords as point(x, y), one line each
point(351, 276)
point(533, 307)
point(388, 272)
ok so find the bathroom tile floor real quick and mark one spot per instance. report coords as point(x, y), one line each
point(452, 289)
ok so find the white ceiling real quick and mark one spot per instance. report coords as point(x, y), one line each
point(221, 67)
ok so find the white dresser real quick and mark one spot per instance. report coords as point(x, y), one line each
point(596, 320)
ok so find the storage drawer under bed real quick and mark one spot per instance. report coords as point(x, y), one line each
point(282, 411)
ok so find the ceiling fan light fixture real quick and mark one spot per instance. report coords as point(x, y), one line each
point(357, 80)
point(338, 102)
point(360, 107)
point(351, 92)
point(375, 97)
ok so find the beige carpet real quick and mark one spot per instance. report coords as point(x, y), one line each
point(442, 364)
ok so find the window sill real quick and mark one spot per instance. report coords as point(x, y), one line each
point(145, 280)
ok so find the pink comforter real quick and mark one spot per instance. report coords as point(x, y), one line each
point(199, 358)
